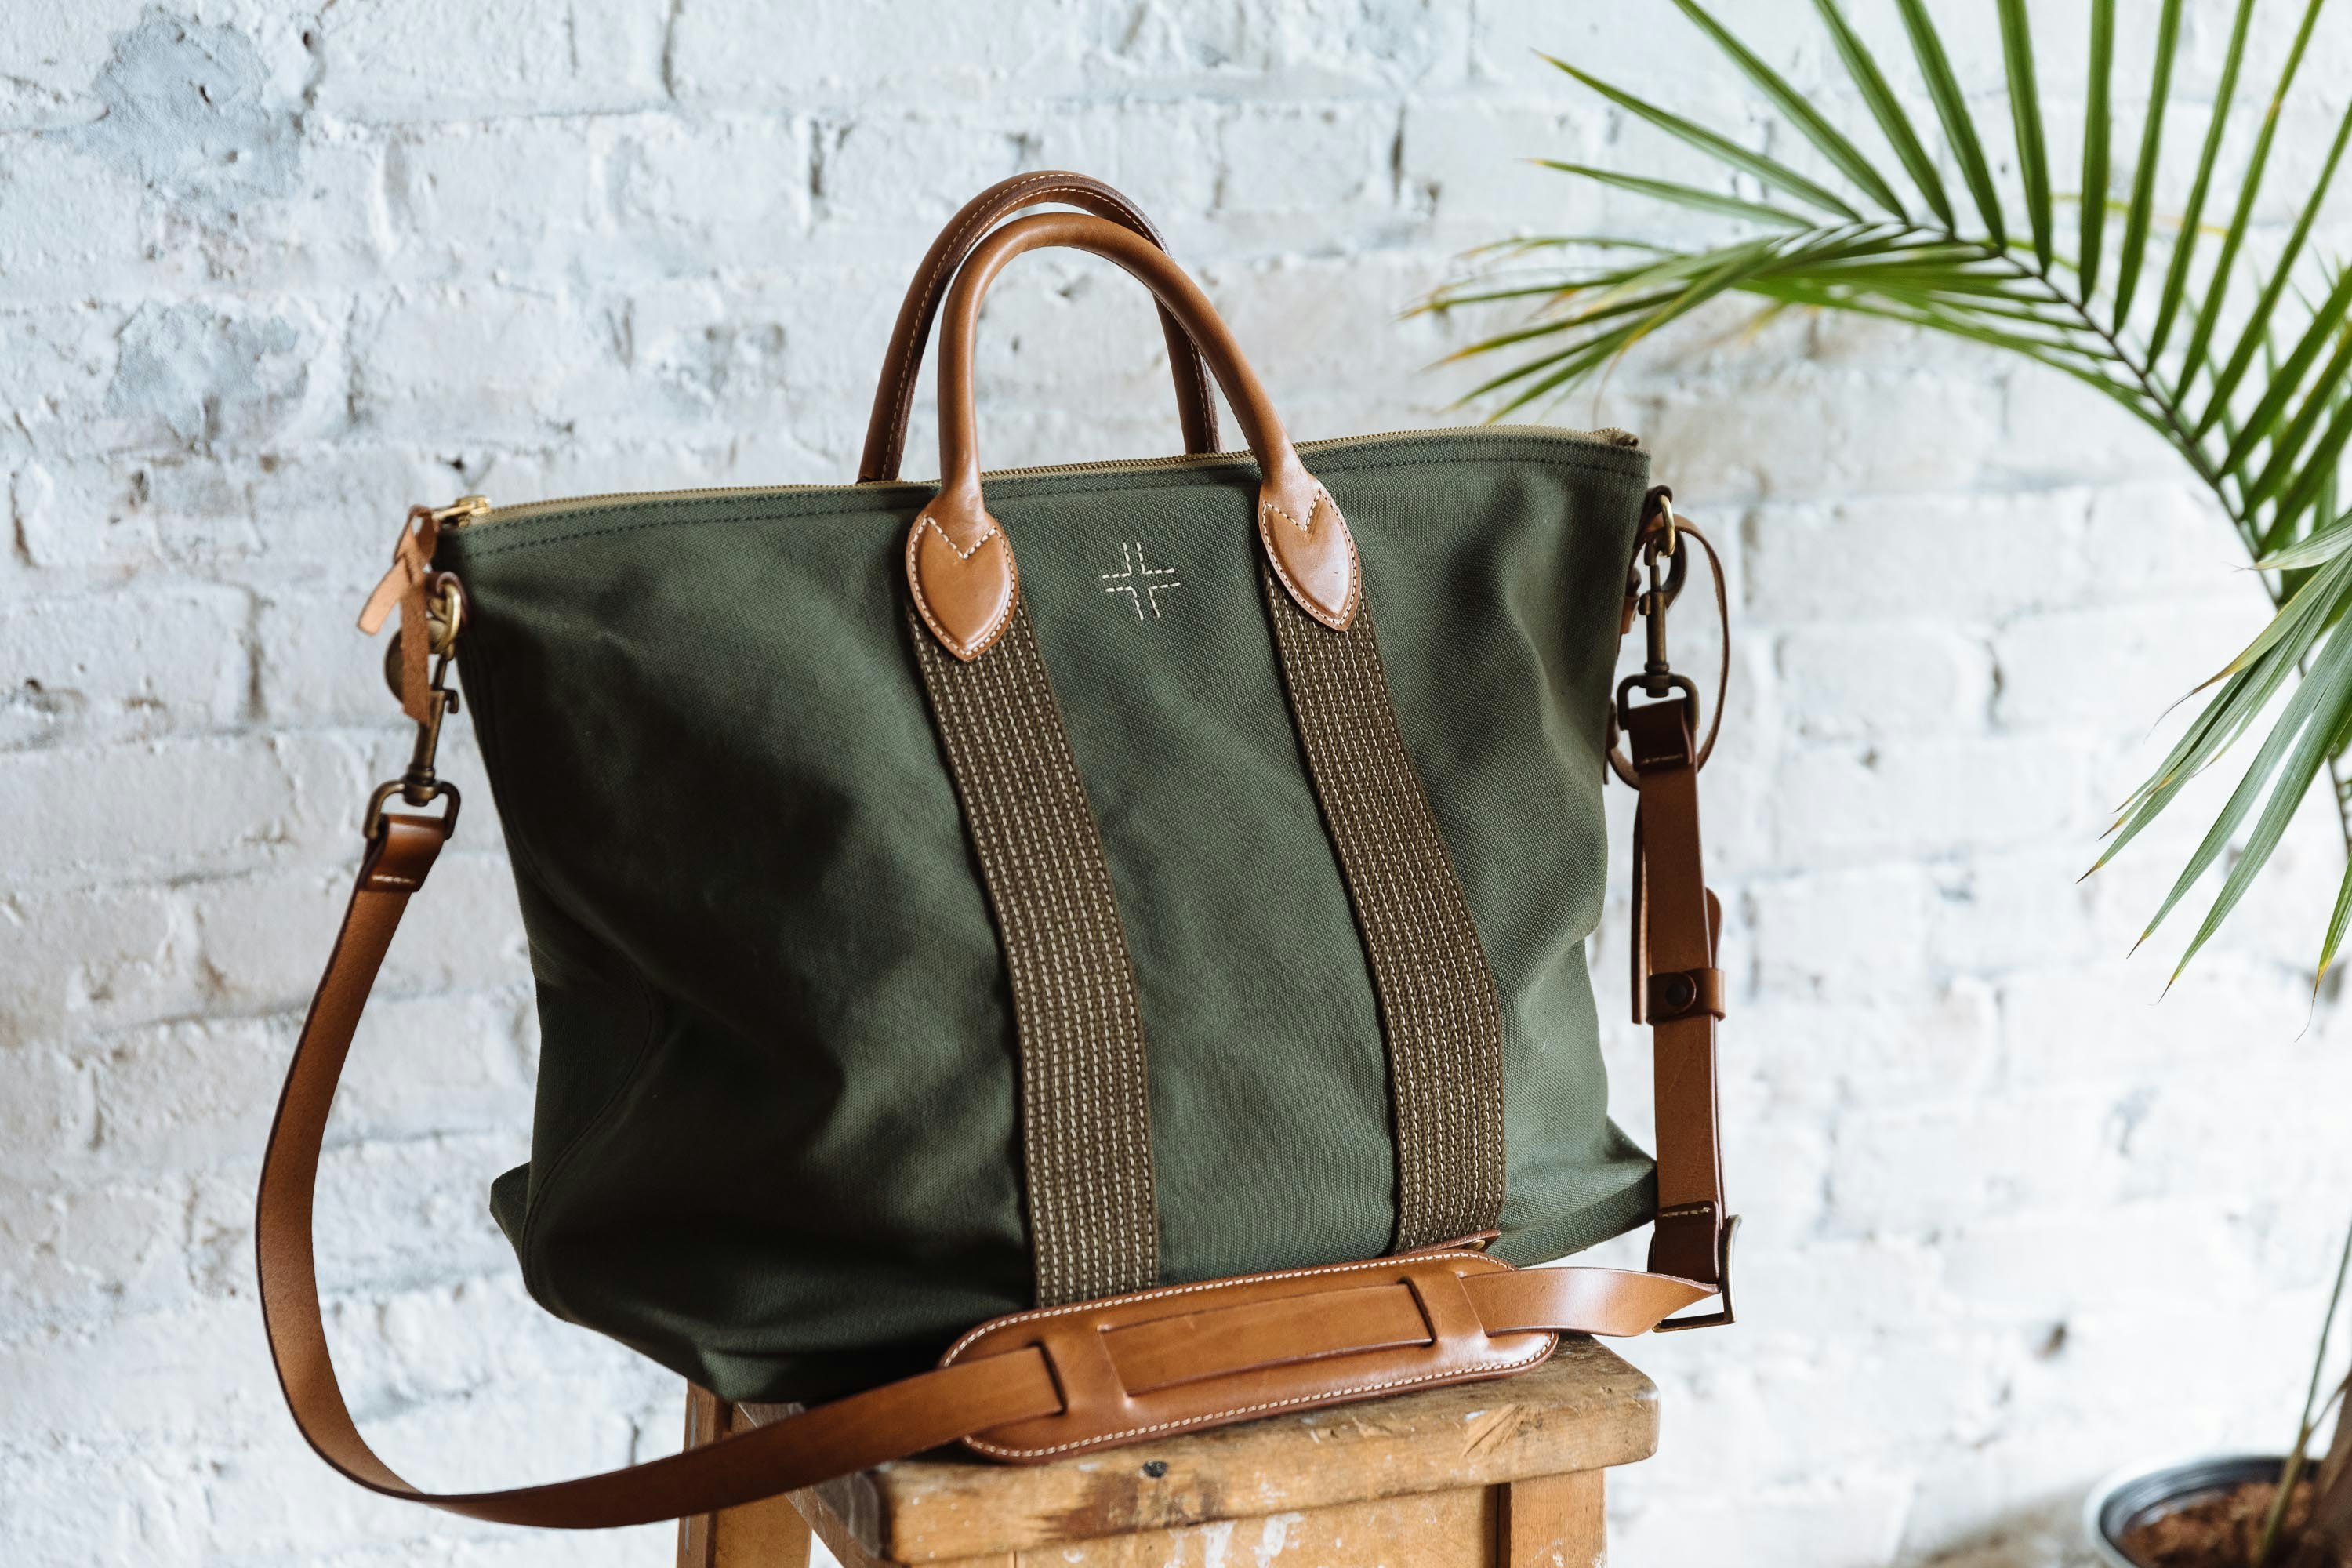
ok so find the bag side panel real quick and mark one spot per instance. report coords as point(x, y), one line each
point(1500, 663)
point(711, 753)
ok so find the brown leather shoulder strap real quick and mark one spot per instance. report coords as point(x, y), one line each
point(1677, 987)
point(894, 395)
point(962, 1398)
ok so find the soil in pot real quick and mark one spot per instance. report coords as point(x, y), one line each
point(2219, 1530)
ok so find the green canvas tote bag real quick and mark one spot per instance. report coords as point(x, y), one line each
point(1064, 953)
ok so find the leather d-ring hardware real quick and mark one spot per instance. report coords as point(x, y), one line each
point(1189, 1356)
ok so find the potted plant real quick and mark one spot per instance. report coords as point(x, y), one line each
point(2244, 371)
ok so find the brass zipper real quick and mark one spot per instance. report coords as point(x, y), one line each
point(479, 513)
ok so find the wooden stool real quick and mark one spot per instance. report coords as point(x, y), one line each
point(1483, 1475)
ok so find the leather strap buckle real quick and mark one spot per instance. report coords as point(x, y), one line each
point(1723, 1315)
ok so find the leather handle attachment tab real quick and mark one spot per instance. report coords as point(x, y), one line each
point(894, 394)
point(959, 562)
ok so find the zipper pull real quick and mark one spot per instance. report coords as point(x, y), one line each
point(403, 588)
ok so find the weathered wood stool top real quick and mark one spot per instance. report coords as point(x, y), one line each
point(1490, 1475)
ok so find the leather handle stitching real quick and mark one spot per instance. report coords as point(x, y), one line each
point(1339, 620)
point(1032, 189)
point(923, 606)
point(931, 287)
point(986, 535)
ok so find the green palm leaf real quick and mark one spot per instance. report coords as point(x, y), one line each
point(2256, 333)
point(1771, 170)
point(2260, 425)
point(2095, 114)
point(2176, 277)
point(2151, 144)
point(2287, 444)
point(1863, 68)
point(1801, 113)
point(1952, 109)
point(2025, 111)
point(2193, 357)
point(1684, 195)
point(2269, 428)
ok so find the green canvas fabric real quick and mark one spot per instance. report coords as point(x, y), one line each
point(777, 1145)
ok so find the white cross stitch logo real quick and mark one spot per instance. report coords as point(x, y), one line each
point(1142, 585)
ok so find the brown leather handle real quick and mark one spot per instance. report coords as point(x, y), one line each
point(893, 397)
point(958, 564)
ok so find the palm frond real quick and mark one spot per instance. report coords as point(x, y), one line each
point(2175, 276)
point(1799, 111)
point(1719, 201)
point(1952, 109)
point(1771, 170)
point(2095, 127)
point(2193, 358)
point(2151, 146)
point(1892, 122)
point(2256, 330)
point(2260, 414)
point(2025, 112)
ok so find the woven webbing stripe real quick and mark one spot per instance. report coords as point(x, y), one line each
point(1086, 1134)
point(1437, 999)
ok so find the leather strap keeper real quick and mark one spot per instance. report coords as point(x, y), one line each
point(1683, 994)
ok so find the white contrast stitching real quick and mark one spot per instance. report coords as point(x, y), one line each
point(1131, 557)
point(1321, 495)
point(923, 605)
point(1338, 622)
point(986, 535)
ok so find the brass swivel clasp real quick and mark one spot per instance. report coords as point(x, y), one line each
point(418, 784)
point(1666, 567)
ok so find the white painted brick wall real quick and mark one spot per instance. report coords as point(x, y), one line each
point(2011, 1221)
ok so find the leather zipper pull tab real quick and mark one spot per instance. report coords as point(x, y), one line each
point(403, 586)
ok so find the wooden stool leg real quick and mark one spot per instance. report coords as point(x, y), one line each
point(767, 1534)
point(1555, 1522)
